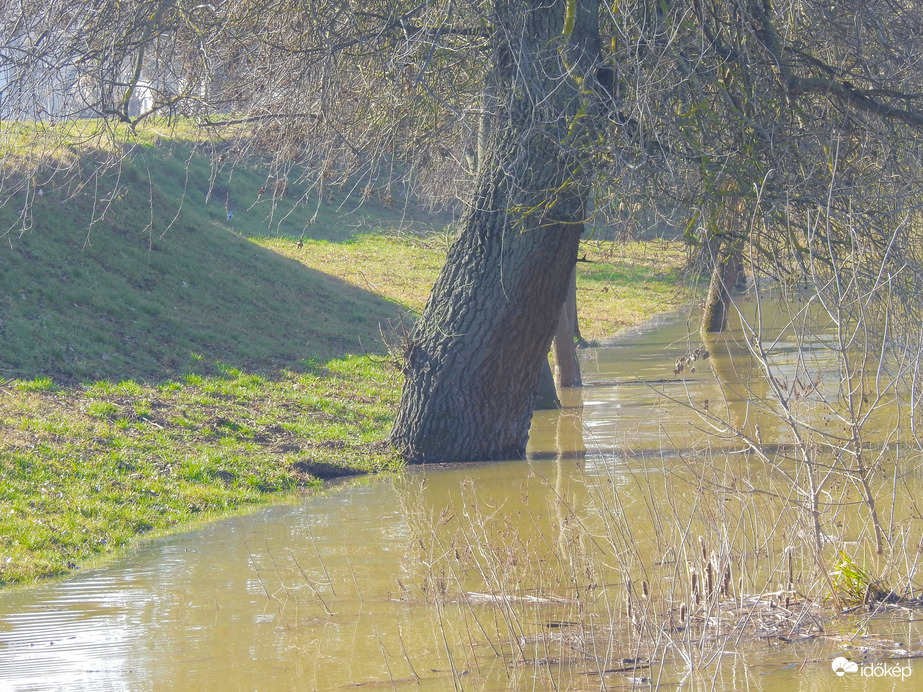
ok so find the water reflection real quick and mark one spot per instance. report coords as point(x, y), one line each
point(517, 575)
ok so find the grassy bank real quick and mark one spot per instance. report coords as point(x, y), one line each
point(620, 285)
point(167, 363)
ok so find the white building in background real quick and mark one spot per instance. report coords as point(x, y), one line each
point(33, 93)
point(52, 88)
point(142, 100)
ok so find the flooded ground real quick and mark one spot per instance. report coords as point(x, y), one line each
point(656, 537)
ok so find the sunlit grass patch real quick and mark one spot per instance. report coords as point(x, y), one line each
point(65, 143)
point(38, 384)
point(102, 409)
point(855, 585)
point(84, 469)
point(621, 284)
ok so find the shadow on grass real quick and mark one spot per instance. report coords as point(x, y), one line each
point(162, 285)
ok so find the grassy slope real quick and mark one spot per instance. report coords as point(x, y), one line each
point(155, 369)
point(136, 295)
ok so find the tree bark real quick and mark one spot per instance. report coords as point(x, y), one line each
point(546, 397)
point(566, 363)
point(725, 277)
point(472, 363)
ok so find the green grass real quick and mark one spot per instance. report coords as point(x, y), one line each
point(854, 585)
point(135, 295)
point(163, 365)
point(86, 469)
point(157, 367)
point(622, 284)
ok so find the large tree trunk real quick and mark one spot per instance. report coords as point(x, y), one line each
point(471, 369)
point(472, 363)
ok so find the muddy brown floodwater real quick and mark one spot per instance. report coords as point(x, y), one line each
point(644, 544)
